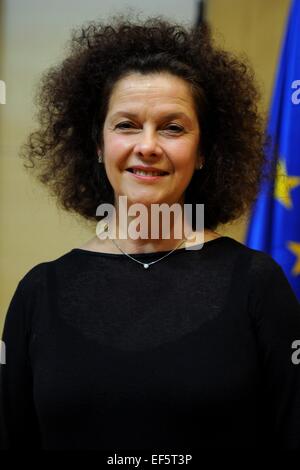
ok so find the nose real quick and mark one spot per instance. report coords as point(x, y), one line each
point(147, 145)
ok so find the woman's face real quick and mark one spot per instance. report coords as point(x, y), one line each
point(151, 121)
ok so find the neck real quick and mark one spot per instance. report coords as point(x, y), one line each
point(149, 235)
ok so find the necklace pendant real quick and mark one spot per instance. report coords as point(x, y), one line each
point(146, 265)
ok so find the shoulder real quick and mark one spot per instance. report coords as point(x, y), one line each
point(259, 270)
point(33, 277)
point(269, 291)
point(263, 267)
point(259, 265)
point(265, 272)
point(36, 277)
point(29, 288)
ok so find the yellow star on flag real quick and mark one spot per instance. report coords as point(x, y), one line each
point(295, 249)
point(284, 184)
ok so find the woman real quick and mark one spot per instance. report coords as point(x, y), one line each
point(195, 351)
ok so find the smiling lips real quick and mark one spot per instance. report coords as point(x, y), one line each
point(146, 175)
point(146, 171)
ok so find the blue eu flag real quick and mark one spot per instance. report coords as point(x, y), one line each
point(275, 222)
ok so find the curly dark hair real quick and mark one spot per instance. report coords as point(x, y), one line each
point(73, 98)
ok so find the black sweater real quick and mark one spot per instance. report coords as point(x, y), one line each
point(194, 352)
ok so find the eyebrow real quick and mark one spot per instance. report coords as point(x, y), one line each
point(173, 115)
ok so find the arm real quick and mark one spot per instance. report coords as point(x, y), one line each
point(18, 421)
point(276, 319)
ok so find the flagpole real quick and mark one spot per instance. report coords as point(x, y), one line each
point(201, 12)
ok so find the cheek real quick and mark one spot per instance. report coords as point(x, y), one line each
point(116, 146)
point(183, 154)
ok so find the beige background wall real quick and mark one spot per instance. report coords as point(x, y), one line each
point(32, 36)
point(255, 28)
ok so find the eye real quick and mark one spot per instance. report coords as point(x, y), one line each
point(124, 125)
point(175, 128)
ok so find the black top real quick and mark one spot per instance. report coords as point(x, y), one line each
point(193, 352)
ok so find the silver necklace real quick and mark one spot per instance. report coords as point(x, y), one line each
point(146, 265)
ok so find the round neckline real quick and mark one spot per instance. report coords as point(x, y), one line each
point(150, 254)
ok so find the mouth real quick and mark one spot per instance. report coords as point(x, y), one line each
point(146, 175)
point(137, 171)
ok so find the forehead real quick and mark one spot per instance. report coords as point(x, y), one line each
point(158, 90)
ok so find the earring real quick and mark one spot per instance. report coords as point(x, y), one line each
point(100, 158)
